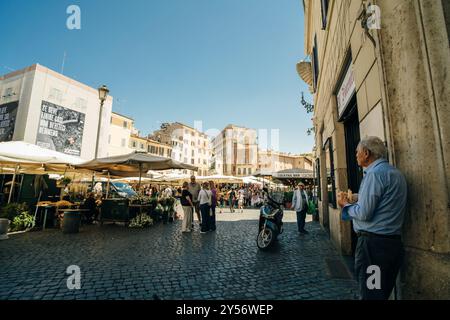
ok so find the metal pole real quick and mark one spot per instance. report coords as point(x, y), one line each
point(12, 184)
point(140, 177)
point(98, 128)
point(107, 186)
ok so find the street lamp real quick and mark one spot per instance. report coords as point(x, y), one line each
point(102, 95)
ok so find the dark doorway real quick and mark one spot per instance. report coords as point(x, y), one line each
point(352, 138)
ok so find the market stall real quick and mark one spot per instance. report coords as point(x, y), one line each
point(135, 164)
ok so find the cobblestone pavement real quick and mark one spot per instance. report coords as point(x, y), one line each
point(122, 263)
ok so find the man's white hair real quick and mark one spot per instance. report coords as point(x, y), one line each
point(374, 145)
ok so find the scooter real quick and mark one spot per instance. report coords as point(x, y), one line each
point(270, 222)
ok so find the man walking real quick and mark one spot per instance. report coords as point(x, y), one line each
point(377, 220)
point(300, 205)
point(194, 189)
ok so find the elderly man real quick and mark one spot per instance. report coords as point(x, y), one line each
point(300, 205)
point(194, 189)
point(377, 220)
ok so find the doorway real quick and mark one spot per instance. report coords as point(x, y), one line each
point(352, 138)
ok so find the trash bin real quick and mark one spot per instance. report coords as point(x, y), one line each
point(71, 222)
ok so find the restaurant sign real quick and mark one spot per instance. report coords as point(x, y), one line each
point(346, 91)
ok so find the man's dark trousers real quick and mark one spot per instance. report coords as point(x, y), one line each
point(301, 217)
point(385, 253)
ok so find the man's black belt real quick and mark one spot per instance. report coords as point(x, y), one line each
point(374, 235)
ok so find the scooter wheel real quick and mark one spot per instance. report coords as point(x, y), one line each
point(265, 239)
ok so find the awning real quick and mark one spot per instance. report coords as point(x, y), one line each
point(304, 70)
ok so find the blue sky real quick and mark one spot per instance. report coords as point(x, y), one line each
point(218, 61)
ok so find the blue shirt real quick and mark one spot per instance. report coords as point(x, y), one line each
point(381, 200)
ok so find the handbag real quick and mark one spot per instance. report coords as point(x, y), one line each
point(311, 207)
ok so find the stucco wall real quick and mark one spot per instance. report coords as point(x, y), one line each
point(416, 68)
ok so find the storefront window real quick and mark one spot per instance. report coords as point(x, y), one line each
point(328, 148)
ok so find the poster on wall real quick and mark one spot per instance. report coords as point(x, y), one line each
point(60, 129)
point(8, 113)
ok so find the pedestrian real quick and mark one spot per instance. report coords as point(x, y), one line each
point(212, 224)
point(377, 215)
point(204, 198)
point(194, 189)
point(300, 205)
point(231, 198)
point(241, 202)
point(188, 207)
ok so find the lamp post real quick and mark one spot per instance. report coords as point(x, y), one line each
point(102, 95)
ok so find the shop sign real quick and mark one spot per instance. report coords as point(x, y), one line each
point(346, 91)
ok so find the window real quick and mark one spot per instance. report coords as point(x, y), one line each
point(125, 124)
point(123, 142)
point(324, 7)
point(185, 160)
point(315, 64)
point(192, 161)
point(142, 146)
point(134, 144)
point(193, 153)
point(328, 148)
point(239, 171)
point(245, 171)
point(249, 171)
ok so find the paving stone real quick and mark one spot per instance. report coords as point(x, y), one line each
point(122, 263)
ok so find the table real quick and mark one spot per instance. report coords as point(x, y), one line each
point(46, 207)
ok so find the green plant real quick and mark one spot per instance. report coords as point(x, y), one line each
point(22, 221)
point(141, 221)
point(66, 180)
point(288, 196)
point(11, 210)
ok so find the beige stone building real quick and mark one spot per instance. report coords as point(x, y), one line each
point(272, 161)
point(120, 131)
point(189, 146)
point(150, 146)
point(235, 151)
point(388, 79)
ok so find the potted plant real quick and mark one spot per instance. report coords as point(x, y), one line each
point(288, 199)
point(4, 225)
point(14, 212)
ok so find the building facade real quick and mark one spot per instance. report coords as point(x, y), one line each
point(121, 130)
point(273, 161)
point(189, 146)
point(46, 108)
point(235, 151)
point(385, 77)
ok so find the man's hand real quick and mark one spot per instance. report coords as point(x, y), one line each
point(342, 199)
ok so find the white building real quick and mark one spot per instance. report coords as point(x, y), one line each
point(46, 108)
point(188, 145)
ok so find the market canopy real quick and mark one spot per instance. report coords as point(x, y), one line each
point(22, 152)
point(31, 159)
point(133, 164)
point(220, 178)
point(296, 173)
